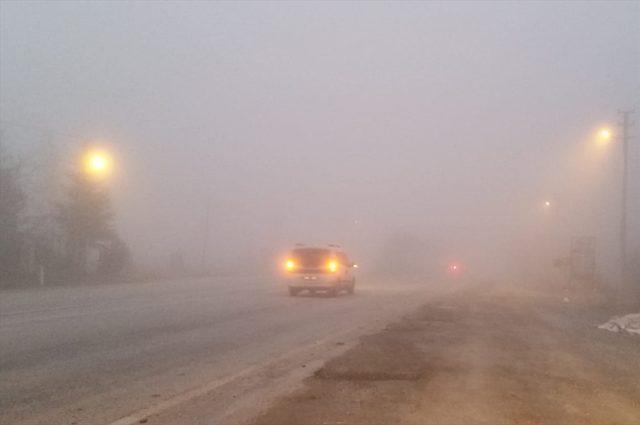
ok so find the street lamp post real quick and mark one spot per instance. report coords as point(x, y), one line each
point(625, 124)
point(604, 135)
point(95, 164)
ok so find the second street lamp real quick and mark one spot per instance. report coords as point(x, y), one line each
point(603, 136)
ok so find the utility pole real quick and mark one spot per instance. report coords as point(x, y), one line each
point(1, 161)
point(625, 124)
point(205, 234)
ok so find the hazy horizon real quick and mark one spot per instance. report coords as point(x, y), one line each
point(350, 123)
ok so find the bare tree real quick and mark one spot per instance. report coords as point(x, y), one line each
point(12, 206)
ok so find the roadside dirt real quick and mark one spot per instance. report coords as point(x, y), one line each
point(479, 356)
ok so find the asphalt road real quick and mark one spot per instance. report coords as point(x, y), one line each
point(118, 353)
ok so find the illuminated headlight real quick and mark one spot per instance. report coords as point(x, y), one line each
point(289, 265)
point(332, 266)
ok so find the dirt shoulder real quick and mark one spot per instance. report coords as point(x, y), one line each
point(480, 356)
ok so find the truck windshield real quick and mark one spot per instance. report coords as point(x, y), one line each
point(311, 257)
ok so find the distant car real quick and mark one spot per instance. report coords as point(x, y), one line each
point(319, 269)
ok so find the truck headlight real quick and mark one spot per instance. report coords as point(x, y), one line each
point(332, 266)
point(289, 265)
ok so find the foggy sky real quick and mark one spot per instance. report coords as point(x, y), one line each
point(332, 122)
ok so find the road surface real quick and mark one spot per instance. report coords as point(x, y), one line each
point(118, 354)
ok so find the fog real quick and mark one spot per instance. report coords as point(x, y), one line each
point(394, 129)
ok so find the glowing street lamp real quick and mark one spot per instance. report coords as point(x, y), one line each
point(97, 163)
point(604, 136)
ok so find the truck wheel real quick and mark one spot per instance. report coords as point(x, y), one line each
point(293, 292)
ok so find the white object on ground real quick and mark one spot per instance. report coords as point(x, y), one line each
point(629, 323)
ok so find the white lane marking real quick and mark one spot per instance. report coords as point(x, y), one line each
point(136, 417)
point(182, 398)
